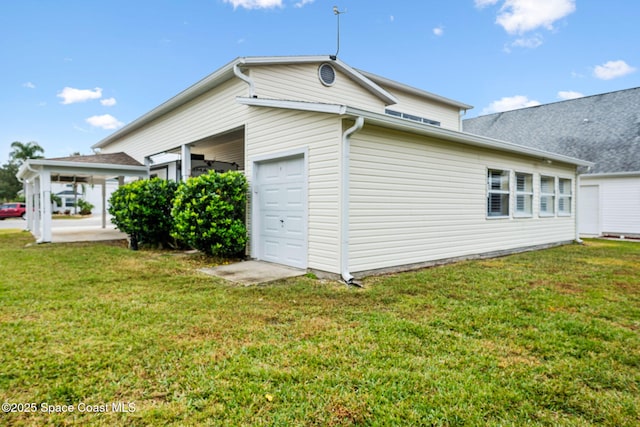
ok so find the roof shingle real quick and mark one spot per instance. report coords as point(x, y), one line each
point(108, 158)
point(604, 129)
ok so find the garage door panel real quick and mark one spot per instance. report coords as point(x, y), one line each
point(294, 226)
point(293, 253)
point(271, 197)
point(294, 197)
point(272, 224)
point(282, 211)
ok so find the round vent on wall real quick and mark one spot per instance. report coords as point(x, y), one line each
point(327, 74)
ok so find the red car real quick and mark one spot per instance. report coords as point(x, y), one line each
point(13, 210)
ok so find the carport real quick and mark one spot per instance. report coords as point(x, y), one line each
point(38, 174)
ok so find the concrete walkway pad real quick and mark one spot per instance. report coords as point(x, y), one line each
point(253, 272)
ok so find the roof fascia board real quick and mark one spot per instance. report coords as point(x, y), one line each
point(354, 74)
point(212, 80)
point(415, 91)
point(79, 167)
point(630, 174)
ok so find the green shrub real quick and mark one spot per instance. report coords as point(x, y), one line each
point(142, 209)
point(209, 213)
point(85, 207)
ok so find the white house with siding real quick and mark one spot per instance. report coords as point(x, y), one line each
point(604, 129)
point(351, 173)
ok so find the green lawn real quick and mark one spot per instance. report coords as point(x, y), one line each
point(542, 338)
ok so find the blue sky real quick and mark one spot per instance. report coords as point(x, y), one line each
point(74, 71)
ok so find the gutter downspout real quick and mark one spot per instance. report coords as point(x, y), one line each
point(242, 76)
point(344, 220)
point(579, 174)
point(577, 211)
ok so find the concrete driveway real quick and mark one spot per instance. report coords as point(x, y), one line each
point(87, 229)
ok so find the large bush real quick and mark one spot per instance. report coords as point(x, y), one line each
point(142, 209)
point(209, 213)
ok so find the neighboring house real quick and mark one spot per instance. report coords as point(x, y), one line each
point(87, 192)
point(43, 177)
point(351, 173)
point(604, 129)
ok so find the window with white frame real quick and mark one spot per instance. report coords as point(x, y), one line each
point(547, 195)
point(497, 193)
point(564, 196)
point(524, 194)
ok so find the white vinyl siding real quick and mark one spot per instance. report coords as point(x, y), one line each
point(273, 131)
point(209, 114)
point(230, 151)
point(616, 201)
point(301, 83)
point(447, 115)
point(524, 195)
point(547, 196)
point(416, 199)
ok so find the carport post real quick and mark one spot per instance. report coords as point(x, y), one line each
point(28, 198)
point(45, 206)
point(185, 157)
point(104, 203)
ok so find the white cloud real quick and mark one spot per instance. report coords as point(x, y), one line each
point(106, 121)
point(521, 16)
point(438, 31)
point(528, 42)
point(303, 3)
point(392, 18)
point(485, 3)
point(255, 4)
point(612, 70)
point(569, 94)
point(510, 103)
point(71, 95)
point(108, 102)
point(29, 85)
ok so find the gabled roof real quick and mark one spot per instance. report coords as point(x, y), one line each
point(227, 72)
point(604, 129)
point(113, 164)
point(405, 125)
point(415, 91)
point(368, 81)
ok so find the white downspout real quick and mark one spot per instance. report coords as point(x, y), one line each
point(344, 220)
point(577, 211)
point(242, 76)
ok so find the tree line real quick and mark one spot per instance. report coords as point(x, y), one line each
point(20, 152)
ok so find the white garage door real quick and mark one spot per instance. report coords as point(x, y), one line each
point(281, 198)
point(589, 210)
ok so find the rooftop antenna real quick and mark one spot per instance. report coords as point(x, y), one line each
point(337, 12)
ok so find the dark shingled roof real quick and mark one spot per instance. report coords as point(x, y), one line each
point(122, 159)
point(604, 129)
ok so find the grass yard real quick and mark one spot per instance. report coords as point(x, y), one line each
point(543, 338)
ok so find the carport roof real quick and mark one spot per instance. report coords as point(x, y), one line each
point(72, 167)
point(106, 158)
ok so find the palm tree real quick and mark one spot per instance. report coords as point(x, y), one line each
point(22, 152)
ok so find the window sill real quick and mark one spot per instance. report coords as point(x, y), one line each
point(498, 217)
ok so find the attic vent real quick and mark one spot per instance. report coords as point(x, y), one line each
point(327, 74)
